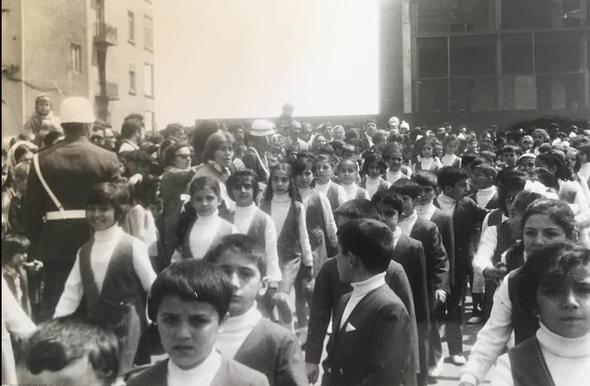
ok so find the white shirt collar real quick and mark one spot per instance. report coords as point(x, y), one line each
point(408, 223)
point(562, 346)
point(208, 219)
point(247, 320)
point(425, 212)
point(362, 288)
point(245, 210)
point(281, 197)
point(200, 375)
point(397, 233)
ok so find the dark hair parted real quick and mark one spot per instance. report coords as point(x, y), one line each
point(389, 197)
point(170, 152)
point(130, 127)
point(370, 241)
point(450, 175)
point(192, 280)
point(558, 211)
point(13, 244)
point(509, 182)
point(288, 170)
point(371, 159)
point(406, 187)
point(59, 342)
point(549, 267)
point(243, 245)
point(112, 194)
point(425, 178)
point(357, 208)
point(233, 180)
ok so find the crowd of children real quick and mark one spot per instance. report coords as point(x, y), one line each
point(234, 252)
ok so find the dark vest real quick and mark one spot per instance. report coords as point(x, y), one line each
point(525, 325)
point(528, 365)
point(504, 241)
point(288, 244)
point(257, 227)
point(332, 195)
point(515, 256)
point(225, 228)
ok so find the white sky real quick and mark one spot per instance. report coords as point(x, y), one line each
point(245, 58)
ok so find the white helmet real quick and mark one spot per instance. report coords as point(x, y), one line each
point(262, 128)
point(76, 110)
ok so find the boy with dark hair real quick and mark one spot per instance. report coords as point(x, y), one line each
point(372, 339)
point(68, 351)
point(466, 216)
point(329, 288)
point(509, 155)
point(410, 254)
point(246, 336)
point(189, 301)
point(483, 178)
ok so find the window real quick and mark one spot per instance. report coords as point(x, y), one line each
point(517, 54)
point(558, 51)
point(76, 58)
point(471, 15)
point(132, 81)
point(148, 36)
point(433, 16)
point(557, 92)
point(148, 119)
point(518, 93)
point(131, 26)
point(473, 94)
point(149, 79)
point(432, 57)
point(433, 95)
point(473, 55)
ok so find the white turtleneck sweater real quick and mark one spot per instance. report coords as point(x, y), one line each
point(425, 212)
point(200, 375)
point(372, 184)
point(359, 291)
point(447, 204)
point(203, 233)
point(351, 191)
point(407, 224)
point(323, 188)
point(104, 243)
point(331, 229)
point(279, 208)
point(243, 217)
point(235, 330)
point(568, 360)
point(483, 196)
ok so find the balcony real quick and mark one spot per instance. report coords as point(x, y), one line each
point(112, 91)
point(105, 34)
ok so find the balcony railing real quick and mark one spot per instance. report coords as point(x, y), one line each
point(105, 34)
point(112, 91)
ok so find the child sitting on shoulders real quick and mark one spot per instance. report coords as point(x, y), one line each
point(246, 336)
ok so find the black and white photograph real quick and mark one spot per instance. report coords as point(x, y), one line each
point(295, 193)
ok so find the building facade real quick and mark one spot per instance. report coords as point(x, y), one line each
point(498, 61)
point(77, 48)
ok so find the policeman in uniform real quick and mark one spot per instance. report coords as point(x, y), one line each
point(55, 204)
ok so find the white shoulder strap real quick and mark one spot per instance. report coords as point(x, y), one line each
point(44, 183)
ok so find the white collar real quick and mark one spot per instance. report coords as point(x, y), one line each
point(245, 210)
point(425, 211)
point(397, 233)
point(247, 320)
point(208, 219)
point(490, 190)
point(446, 199)
point(362, 288)
point(562, 346)
point(280, 198)
point(199, 374)
point(108, 234)
point(305, 193)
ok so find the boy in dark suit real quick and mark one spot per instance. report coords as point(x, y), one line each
point(329, 288)
point(372, 328)
point(246, 336)
point(409, 253)
point(189, 301)
point(467, 215)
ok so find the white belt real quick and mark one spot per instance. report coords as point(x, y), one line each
point(64, 215)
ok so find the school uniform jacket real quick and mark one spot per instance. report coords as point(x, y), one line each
point(409, 253)
point(373, 346)
point(437, 261)
point(444, 223)
point(274, 351)
point(466, 216)
point(328, 291)
point(70, 168)
point(230, 373)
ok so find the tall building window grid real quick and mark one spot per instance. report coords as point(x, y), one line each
point(149, 79)
point(132, 80)
point(76, 58)
point(148, 33)
point(539, 82)
point(131, 27)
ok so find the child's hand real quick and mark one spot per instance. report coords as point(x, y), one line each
point(33, 266)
